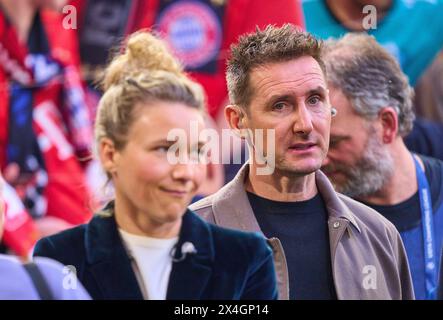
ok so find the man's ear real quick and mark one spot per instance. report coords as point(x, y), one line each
point(108, 155)
point(235, 118)
point(389, 121)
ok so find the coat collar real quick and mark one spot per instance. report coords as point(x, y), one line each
point(232, 208)
point(111, 265)
point(336, 207)
point(189, 277)
point(109, 262)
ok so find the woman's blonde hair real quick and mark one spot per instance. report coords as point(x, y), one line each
point(144, 72)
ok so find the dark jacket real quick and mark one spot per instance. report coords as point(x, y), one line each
point(228, 264)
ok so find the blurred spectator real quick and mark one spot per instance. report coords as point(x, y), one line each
point(418, 20)
point(20, 230)
point(429, 92)
point(42, 279)
point(335, 18)
point(45, 126)
point(214, 171)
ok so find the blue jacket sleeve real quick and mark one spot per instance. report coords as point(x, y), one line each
point(426, 138)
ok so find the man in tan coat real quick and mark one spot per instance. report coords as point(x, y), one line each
point(326, 245)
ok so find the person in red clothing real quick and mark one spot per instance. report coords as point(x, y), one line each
point(45, 126)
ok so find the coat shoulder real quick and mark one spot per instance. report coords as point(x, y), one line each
point(55, 246)
point(202, 203)
point(203, 208)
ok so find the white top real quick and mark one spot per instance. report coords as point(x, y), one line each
point(154, 262)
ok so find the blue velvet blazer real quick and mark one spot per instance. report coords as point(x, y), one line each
point(228, 264)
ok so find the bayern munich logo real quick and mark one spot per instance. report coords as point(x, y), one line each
point(193, 32)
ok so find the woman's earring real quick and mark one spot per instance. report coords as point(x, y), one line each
point(333, 111)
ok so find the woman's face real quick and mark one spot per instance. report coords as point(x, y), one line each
point(145, 180)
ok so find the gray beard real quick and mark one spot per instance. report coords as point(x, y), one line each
point(371, 172)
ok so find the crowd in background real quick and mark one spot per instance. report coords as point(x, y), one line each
point(50, 73)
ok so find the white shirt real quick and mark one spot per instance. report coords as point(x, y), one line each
point(154, 262)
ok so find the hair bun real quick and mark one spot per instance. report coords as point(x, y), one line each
point(144, 53)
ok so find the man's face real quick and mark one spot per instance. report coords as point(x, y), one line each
point(358, 163)
point(291, 98)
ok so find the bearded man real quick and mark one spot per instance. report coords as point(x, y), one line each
point(367, 158)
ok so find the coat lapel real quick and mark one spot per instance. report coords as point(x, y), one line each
point(189, 278)
point(335, 206)
point(108, 260)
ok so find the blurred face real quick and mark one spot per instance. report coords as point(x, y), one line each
point(358, 163)
point(291, 98)
point(143, 178)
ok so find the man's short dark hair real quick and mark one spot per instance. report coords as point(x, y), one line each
point(271, 45)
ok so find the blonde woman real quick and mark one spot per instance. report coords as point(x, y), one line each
point(146, 244)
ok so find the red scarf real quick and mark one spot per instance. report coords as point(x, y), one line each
point(61, 126)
